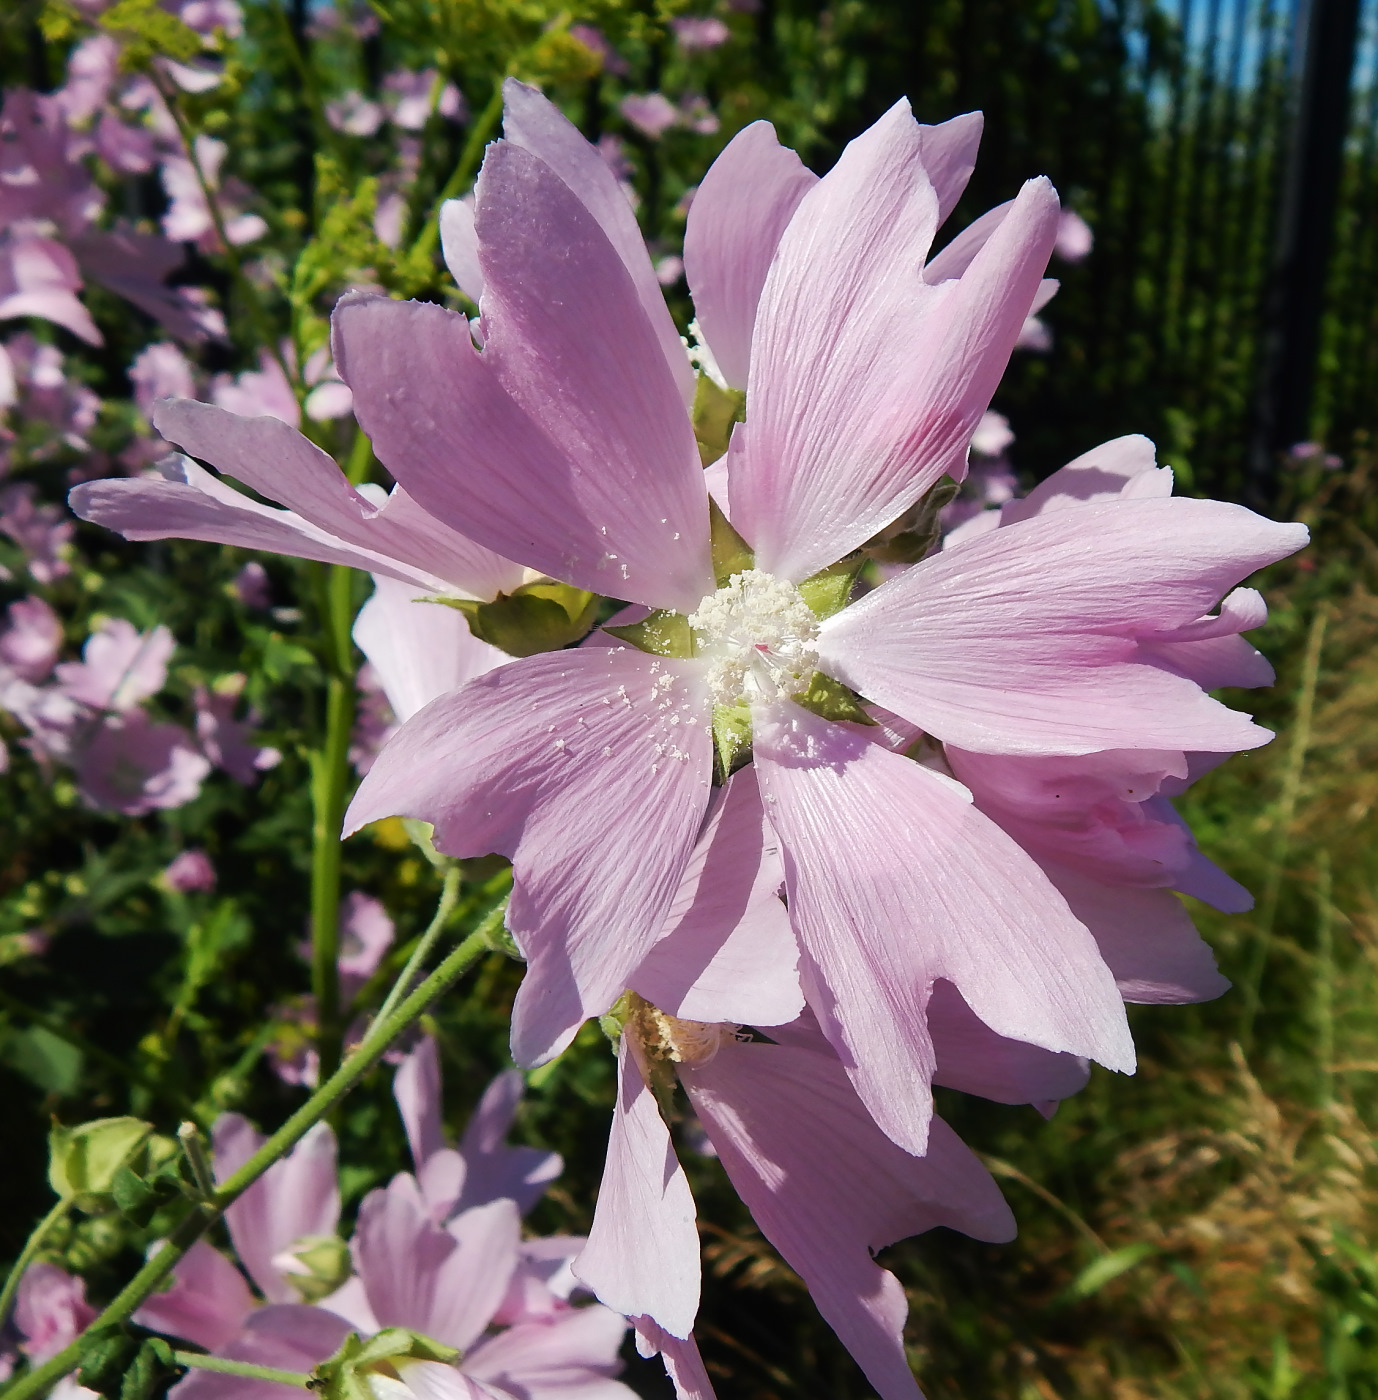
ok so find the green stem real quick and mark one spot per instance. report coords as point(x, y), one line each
point(463, 174)
point(147, 1281)
point(31, 1247)
point(449, 896)
point(1325, 979)
point(1252, 981)
point(197, 1362)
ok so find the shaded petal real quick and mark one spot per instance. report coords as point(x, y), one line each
point(444, 1282)
point(683, 1364)
point(207, 1303)
point(1023, 640)
point(295, 1197)
point(573, 1356)
point(459, 245)
point(432, 1380)
point(286, 1336)
point(738, 213)
point(894, 880)
point(416, 1087)
point(194, 505)
point(278, 462)
point(729, 953)
point(867, 382)
point(827, 1188)
point(574, 763)
point(492, 1167)
point(536, 124)
point(642, 1256)
point(420, 648)
point(1124, 468)
point(1146, 937)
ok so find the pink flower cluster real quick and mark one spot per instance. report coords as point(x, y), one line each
point(89, 715)
point(811, 850)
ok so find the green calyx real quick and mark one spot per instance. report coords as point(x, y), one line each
point(830, 699)
point(326, 1264)
point(731, 740)
point(84, 1161)
point(731, 553)
point(716, 410)
point(663, 633)
point(913, 536)
point(829, 590)
point(536, 617)
point(345, 1375)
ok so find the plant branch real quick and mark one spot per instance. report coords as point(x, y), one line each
point(197, 1362)
point(449, 896)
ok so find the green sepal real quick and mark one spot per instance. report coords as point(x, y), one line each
point(342, 1377)
point(534, 618)
point(830, 699)
point(152, 1367)
point(107, 1355)
point(616, 1017)
point(827, 591)
point(922, 529)
point(82, 1161)
point(731, 553)
point(663, 633)
point(715, 411)
point(139, 1197)
point(731, 740)
point(327, 1263)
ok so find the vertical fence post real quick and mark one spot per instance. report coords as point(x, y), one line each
point(1327, 36)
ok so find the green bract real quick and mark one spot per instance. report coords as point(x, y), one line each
point(345, 1375)
point(326, 1261)
point(535, 617)
point(715, 411)
point(83, 1161)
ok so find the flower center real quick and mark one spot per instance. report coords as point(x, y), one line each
point(757, 635)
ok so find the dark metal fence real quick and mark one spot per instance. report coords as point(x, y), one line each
point(1230, 307)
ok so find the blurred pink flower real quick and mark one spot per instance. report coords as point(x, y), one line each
point(697, 33)
point(41, 531)
point(1074, 237)
point(596, 41)
point(354, 115)
point(131, 765)
point(253, 587)
point(408, 96)
point(188, 217)
point(161, 371)
point(120, 666)
point(651, 113)
point(30, 641)
point(229, 742)
point(190, 872)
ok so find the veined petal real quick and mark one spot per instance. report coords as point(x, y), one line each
point(194, 505)
point(207, 1303)
point(739, 211)
point(867, 381)
point(1023, 640)
point(574, 763)
point(1146, 937)
point(683, 1364)
point(416, 1087)
point(573, 1355)
point(729, 953)
point(531, 121)
point(420, 648)
point(286, 1336)
point(642, 1255)
point(894, 880)
point(828, 1189)
point(493, 1169)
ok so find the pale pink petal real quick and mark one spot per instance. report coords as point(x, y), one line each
point(1024, 639)
point(492, 1168)
point(642, 1256)
point(683, 1364)
point(574, 1356)
point(1201, 878)
point(879, 854)
point(536, 124)
point(419, 647)
point(207, 1303)
point(1146, 937)
point(867, 382)
point(285, 1336)
point(416, 1087)
point(739, 211)
point(828, 1189)
point(194, 505)
point(446, 1283)
point(131, 765)
point(39, 277)
point(574, 763)
point(120, 666)
point(350, 1301)
point(50, 1310)
point(281, 464)
point(972, 1058)
point(459, 244)
point(432, 1380)
point(729, 953)
point(295, 1197)
point(1123, 469)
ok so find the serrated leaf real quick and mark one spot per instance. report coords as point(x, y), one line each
point(715, 411)
point(663, 633)
point(534, 618)
point(827, 591)
point(731, 553)
point(830, 699)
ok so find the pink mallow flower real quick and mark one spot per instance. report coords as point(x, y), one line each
point(50, 1311)
point(1040, 638)
point(468, 1281)
point(229, 742)
point(190, 872)
point(30, 641)
point(42, 531)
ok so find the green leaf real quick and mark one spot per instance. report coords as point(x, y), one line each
point(731, 553)
point(715, 411)
point(147, 31)
point(153, 1365)
point(663, 633)
point(831, 699)
point(83, 1161)
point(1110, 1266)
point(536, 617)
point(45, 1059)
point(827, 591)
point(731, 740)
